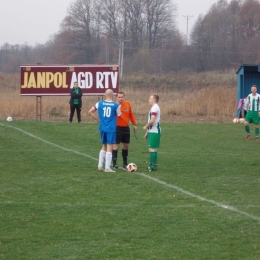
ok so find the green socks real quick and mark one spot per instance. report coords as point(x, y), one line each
point(247, 129)
point(153, 160)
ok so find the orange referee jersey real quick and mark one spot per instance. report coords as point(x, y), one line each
point(126, 115)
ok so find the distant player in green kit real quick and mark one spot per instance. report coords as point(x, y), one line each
point(153, 132)
point(253, 110)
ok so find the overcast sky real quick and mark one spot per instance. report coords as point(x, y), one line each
point(33, 21)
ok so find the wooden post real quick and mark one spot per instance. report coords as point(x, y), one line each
point(38, 108)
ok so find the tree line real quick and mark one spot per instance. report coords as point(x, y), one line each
point(92, 31)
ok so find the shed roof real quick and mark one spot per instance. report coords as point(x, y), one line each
point(249, 68)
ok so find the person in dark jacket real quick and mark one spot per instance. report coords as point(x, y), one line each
point(75, 102)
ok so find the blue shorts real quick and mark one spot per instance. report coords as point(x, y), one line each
point(108, 138)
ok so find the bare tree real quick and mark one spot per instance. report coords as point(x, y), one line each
point(160, 21)
point(91, 28)
point(110, 17)
point(215, 36)
point(134, 22)
point(249, 19)
point(80, 25)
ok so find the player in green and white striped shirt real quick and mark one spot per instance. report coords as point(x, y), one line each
point(153, 132)
point(253, 111)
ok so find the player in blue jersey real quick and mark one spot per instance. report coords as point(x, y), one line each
point(107, 112)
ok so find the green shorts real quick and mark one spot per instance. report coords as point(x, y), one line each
point(252, 117)
point(154, 140)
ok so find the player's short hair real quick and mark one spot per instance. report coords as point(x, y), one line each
point(254, 86)
point(120, 92)
point(109, 93)
point(156, 97)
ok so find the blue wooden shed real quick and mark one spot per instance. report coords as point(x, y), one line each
point(247, 75)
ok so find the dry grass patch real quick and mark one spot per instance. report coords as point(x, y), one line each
point(194, 97)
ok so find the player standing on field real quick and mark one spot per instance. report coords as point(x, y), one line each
point(75, 102)
point(153, 132)
point(107, 112)
point(122, 129)
point(253, 112)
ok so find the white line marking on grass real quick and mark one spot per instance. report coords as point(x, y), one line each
point(199, 197)
point(223, 206)
point(47, 142)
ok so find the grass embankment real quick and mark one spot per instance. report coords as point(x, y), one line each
point(187, 97)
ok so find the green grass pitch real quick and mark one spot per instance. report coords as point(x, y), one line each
point(203, 203)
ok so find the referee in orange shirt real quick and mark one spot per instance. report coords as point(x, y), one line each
point(122, 129)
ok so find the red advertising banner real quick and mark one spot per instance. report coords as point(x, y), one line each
point(57, 80)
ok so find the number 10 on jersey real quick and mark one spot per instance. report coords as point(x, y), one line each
point(107, 111)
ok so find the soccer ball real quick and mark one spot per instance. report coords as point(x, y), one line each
point(241, 120)
point(235, 120)
point(131, 167)
point(9, 119)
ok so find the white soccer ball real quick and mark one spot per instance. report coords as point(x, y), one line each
point(235, 120)
point(9, 119)
point(242, 120)
point(131, 167)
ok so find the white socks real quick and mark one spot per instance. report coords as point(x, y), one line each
point(104, 156)
point(108, 160)
point(101, 160)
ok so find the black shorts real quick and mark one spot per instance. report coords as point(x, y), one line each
point(122, 135)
